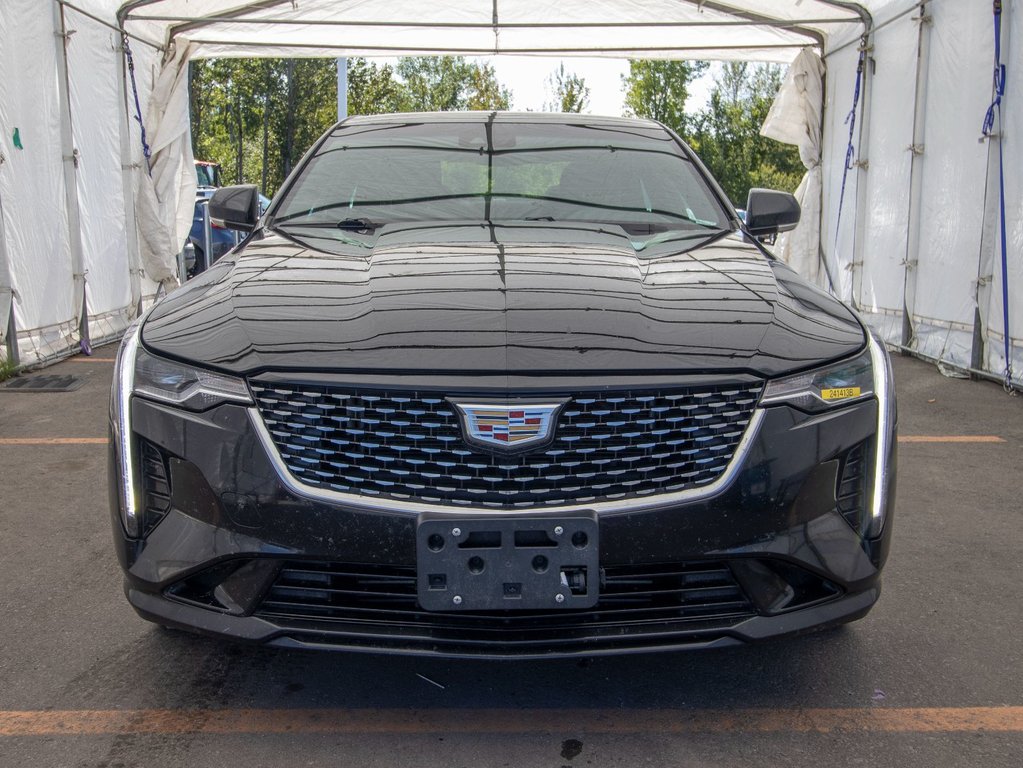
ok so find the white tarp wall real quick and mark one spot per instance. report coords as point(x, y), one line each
point(918, 251)
point(915, 247)
point(37, 243)
point(35, 225)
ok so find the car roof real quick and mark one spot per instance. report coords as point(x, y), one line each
point(554, 118)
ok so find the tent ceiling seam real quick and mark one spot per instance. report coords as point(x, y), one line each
point(233, 13)
point(510, 51)
point(865, 16)
point(128, 7)
point(775, 23)
point(757, 18)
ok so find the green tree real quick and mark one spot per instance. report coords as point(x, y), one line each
point(257, 117)
point(373, 90)
point(484, 91)
point(444, 83)
point(726, 134)
point(231, 100)
point(307, 109)
point(658, 90)
point(569, 90)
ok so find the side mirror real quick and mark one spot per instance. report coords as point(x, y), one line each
point(769, 212)
point(236, 207)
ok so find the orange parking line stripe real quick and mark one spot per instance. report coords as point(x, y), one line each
point(527, 721)
point(950, 439)
point(54, 440)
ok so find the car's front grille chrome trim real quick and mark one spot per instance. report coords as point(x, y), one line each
point(608, 507)
point(410, 445)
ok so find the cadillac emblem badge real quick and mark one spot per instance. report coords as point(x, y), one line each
point(508, 426)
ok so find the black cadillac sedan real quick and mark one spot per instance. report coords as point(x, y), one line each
point(505, 385)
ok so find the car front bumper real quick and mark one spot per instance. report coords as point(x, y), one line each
point(239, 554)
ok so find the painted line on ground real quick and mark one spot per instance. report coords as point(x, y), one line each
point(518, 721)
point(84, 359)
point(54, 440)
point(950, 439)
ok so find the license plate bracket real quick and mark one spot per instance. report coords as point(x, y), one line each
point(507, 563)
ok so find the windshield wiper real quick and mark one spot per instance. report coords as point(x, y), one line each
point(672, 236)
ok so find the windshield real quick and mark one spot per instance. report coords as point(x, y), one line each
point(366, 176)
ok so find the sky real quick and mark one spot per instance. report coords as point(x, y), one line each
point(527, 76)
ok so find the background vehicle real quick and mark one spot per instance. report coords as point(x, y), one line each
point(222, 239)
point(207, 173)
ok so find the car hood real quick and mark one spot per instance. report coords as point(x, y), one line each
point(529, 298)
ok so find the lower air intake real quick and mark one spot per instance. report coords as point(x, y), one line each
point(638, 605)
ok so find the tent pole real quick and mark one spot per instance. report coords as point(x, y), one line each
point(861, 164)
point(916, 176)
point(342, 88)
point(70, 160)
point(128, 192)
point(862, 141)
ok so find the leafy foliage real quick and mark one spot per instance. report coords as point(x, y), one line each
point(444, 83)
point(257, 117)
point(570, 92)
point(372, 90)
point(659, 89)
point(726, 134)
point(7, 368)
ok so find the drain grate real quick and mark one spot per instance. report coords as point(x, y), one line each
point(50, 383)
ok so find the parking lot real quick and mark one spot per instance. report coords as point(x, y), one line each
point(932, 677)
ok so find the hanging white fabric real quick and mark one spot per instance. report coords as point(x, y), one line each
point(795, 118)
point(166, 194)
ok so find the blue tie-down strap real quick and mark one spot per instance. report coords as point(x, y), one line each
point(850, 150)
point(995, 111)
point(138, 106)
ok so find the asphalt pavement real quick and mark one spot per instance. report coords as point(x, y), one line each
point(932, 677)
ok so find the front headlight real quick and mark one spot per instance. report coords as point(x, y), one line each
point(184, 386)
point(867, 375)
point(884, 386)
point(824, 388)
point(138, 373)
point(120, 407)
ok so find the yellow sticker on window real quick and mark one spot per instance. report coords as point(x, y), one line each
point(840, 394)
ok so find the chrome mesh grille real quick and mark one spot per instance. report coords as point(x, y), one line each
point(408, 445)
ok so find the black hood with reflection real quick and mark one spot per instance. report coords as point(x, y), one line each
point(522, 298)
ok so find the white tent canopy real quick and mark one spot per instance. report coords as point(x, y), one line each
point(914, 244)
